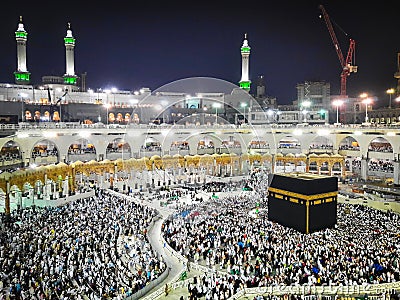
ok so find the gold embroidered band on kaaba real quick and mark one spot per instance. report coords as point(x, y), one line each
point(294, 197)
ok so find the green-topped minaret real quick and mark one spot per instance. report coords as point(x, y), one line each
point(22, 76)
point(245, 51)
point(69, 42)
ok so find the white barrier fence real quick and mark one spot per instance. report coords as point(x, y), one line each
point(383, 290)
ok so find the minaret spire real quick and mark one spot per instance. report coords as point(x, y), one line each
point(69, 42)
point(245, 51)
point(21, 75)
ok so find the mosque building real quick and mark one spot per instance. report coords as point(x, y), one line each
point(66, 98)
point(220, 118)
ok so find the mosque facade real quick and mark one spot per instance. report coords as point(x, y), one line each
point(66, 98)
point(61, 123)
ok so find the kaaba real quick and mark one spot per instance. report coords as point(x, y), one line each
point(303, 201)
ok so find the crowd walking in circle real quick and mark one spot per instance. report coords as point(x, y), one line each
point(98, 248)
point(228, 236)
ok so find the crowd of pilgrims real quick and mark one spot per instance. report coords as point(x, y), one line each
point(232, 236)
point(95, 247)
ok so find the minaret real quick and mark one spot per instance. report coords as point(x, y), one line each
point(245, 51)
point(69, 41)
point(22, 76)
point(397, 75)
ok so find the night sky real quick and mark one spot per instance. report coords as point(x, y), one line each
point(134, 44)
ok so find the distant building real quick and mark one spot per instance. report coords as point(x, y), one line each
point(315, 96)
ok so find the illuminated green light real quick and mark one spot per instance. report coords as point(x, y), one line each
point(22, 76)
point(245, 49)
point(69, 40)
point(21, 34)
point(70, 80)
point(245, 85)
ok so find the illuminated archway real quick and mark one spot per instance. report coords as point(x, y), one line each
point(321, 144)
point(151, 147)
point(349, 143)
point(258, 145)
point(380, 144)
point(230, 145)
point(56, 116)
point(118, 148)
point(28, 116)
point(111, 117)
point(10, 155)
point(46, 116)
point(206, 146)
point(119, 118)
point(179, 147)
point(44, 152)
point(127, 117)
point(37, 116)
point(81, 150)
point(289, 144)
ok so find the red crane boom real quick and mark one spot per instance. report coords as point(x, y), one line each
point(346, 65)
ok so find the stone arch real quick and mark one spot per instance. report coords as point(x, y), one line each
point(151, 146)
point(380, 144)
point(258, 145)
point(337, 165)
point(10, 155)
point(81, 149)
point(230, 145)
point(44, 152)
point(206, 145)
point(321, 144)
point(181, 147)
point(118, 148)
point(289, 144)
point(349, 143)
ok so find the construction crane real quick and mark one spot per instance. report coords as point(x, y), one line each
point(346, 65)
